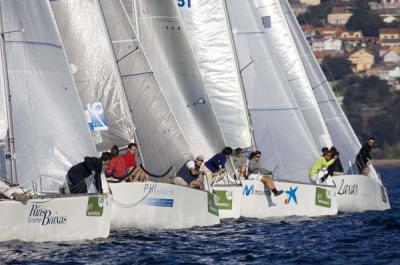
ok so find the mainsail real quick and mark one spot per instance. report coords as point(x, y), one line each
point(342, 133)
point(161, 139)
point(50, 128)
point(280, 130)
point(169, 53)
point(96, 73)
point(277, 32)
point(208, 32)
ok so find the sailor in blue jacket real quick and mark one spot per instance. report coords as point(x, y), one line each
point(215, 164)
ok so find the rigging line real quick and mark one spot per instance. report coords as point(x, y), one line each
point(126, 55)
point(40, 43)
point(154, 175)
point(131, 205)
point(138, 74)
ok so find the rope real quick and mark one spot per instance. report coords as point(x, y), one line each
point(122, 205)
point(154, 175)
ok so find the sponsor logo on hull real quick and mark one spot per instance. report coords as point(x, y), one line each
point(322, 197)
point(212, 208)
point(159, 202)
point(95, 206)
point(346, 189)
point(151, 189)
point(223, 199)
point(249, 190)
point(291, 195)
point(44, 216)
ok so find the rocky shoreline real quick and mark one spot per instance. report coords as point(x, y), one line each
point(388, 163)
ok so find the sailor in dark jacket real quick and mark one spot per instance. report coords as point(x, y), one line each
point(91, 166)
point(363, 157)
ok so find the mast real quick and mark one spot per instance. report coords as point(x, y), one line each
point(10, 132)
point(239, 72)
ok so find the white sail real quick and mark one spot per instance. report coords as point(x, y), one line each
point(277, 32)
point(50, 128)
point(341, 132)
point(161, 139)
point(208, 32)
point(279, 127)
point(169, 53)
point(96, 73)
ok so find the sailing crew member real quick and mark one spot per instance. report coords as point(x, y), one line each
point(117, 166)
point(239, 162)
point(91, 166)
point(136, 173)
point(14, 193)
point(214, 165)
point(336, 168)
point(257, 172)
point(189, 173)
point(363, 158)
point(319, 172)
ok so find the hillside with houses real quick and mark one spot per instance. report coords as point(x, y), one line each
point(357, 44)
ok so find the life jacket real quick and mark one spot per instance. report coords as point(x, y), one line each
point(185, 173)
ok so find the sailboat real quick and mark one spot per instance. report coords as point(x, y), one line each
point(276, 119)
point(44, 132)
point(102, 31)
point(355, 192)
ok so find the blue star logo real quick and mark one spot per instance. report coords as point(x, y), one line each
point(291, 195)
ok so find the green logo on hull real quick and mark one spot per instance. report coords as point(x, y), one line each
point(95, 206)
point(322, 197)
point(224, 199)
point(212, 208)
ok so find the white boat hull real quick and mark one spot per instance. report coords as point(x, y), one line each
point(56, 219)
point(357, 193)
point(161, 206)
point(297, 200)
point(228, 200)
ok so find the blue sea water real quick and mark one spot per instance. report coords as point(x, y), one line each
point(363, 238)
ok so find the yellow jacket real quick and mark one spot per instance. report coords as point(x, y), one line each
point(320, 164)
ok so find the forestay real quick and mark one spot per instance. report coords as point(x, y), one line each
point(277, 32)
point(342, 133)
point(208, 32)
point(169, 53)
point(161, 139)
point(95, 72)
point(51, 132)
point(280, 131)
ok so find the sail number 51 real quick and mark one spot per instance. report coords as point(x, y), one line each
point(182, 3)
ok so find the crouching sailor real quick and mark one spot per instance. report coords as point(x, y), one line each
point(189, 173)
point(319, 172)
point(216, 165)
point(257, 172)
point(83, 176)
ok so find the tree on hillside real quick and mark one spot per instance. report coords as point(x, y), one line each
point(316, 15)
point(335, 67)
point(368, 23)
